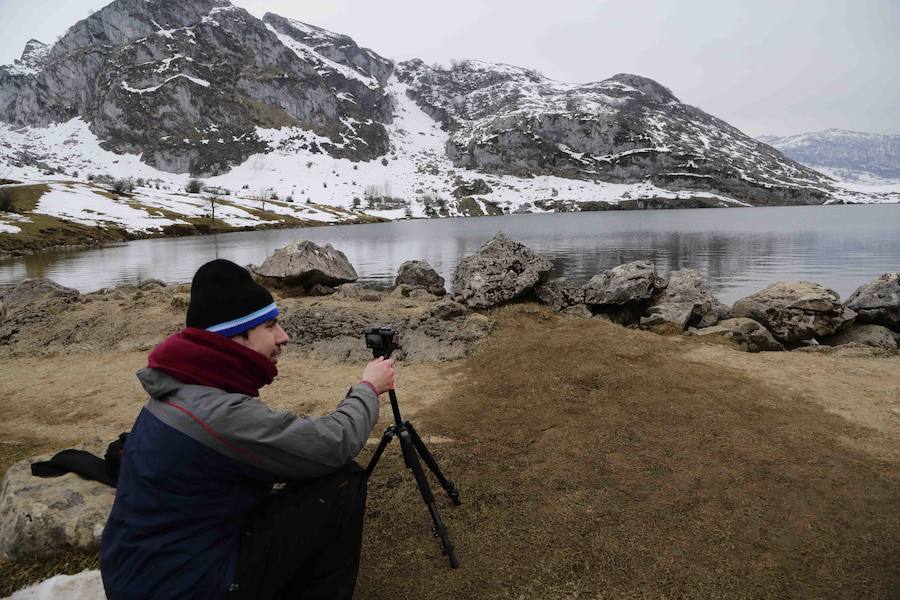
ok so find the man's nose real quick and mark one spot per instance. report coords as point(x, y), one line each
point(281, 337)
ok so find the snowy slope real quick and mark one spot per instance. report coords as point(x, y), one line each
point(845, 155)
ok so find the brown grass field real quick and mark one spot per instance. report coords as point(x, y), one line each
point(594, 461)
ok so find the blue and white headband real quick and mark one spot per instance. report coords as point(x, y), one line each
point(242, 324)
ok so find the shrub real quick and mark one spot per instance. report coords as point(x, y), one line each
point(123, 186)
point(194, 186)
point(6, 200)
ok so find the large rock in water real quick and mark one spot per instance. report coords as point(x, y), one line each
point(686, 300)
point(304, 264)
point(420, 274)
point(796, 310)
point(501, 270)
point(878, 301)
point(749, 335)
point(42, 516)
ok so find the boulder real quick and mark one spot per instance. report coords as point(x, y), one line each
point(625, 284)
point(796, 310)
point(876, 336)
point(304, 264)
point(878, 301)
point(501, 270)
point(30, 291)
point(559, 294)
point(42, 516)
point(420, 274)
point(578, 310)
point(623, 292)
point(685, 301)
point(748, 334)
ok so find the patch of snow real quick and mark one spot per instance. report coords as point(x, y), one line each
point(310, 55)
point(86, 585)
point(81, 204)
point(127, 87)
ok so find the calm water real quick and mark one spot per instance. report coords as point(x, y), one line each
point(739, 250)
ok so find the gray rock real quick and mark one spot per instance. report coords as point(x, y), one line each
point(420, 274)
point(559, 294)
point(686, 300)
point(634, 282)
point(30, 291)
point(304, 264)
point(501, 270)
point(876, 336)
point(42, 516)
point(796, 310)
point(578, 310)
point(878, 301)
point(623, 292)
point(748, 334)
point(445, 330)
point(2, 311)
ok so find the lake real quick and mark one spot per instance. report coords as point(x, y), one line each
point(739, 250)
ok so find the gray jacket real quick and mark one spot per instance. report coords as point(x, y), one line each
point(243, 428)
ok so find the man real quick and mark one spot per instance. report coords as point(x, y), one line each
point(195, 514)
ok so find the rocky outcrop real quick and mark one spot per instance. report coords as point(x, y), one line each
point(439, 331)
point(747, 334)
point(878, 301)
point(795, 311)
point(876, 336)
point(627, 128)
point(420, 274)
point(305, 264)
point(502, 270)
point(186, 85)
point(685, 301)
point(29, 303)
point(559, 294)
point(624, 292)
point(43, 516)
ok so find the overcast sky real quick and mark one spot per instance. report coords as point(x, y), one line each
point(765, 66)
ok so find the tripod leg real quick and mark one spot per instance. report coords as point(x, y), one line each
point(426, 455)
point(389, 434)
point(412, 463)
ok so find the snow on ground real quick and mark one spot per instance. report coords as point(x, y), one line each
point(89, 207)
point(86, 585)
point(300, 183)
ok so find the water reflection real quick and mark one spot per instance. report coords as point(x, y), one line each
point(738, 250)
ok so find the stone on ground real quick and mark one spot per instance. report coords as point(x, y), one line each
point(502, 270)
point(746, 333)
point(796, 310)
point(420, 274)
point(878, 301)
point(686, 300)
point(42, 516)
point(876, 336)
point(559, 294)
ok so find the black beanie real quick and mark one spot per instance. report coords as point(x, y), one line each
point(226, 300)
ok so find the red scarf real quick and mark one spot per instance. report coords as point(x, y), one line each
point(200, 357)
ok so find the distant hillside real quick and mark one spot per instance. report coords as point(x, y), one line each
point(849, 155)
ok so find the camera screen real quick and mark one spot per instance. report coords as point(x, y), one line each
point(373, 340)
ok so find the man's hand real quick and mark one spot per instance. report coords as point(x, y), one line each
point(380, 373)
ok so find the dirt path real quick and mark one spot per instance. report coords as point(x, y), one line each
point(594, 462)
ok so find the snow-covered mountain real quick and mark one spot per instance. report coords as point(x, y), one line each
point(849, 155)
point(287, 119)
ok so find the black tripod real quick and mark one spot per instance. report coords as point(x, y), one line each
point(411, 444)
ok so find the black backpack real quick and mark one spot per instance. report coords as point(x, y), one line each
point(105, 470)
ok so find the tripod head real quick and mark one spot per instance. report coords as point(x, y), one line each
point(382, 340)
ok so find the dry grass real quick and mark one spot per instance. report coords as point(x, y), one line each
point(598, 462)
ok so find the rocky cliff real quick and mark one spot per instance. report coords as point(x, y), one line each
point(187, 84)
point(624, 129)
